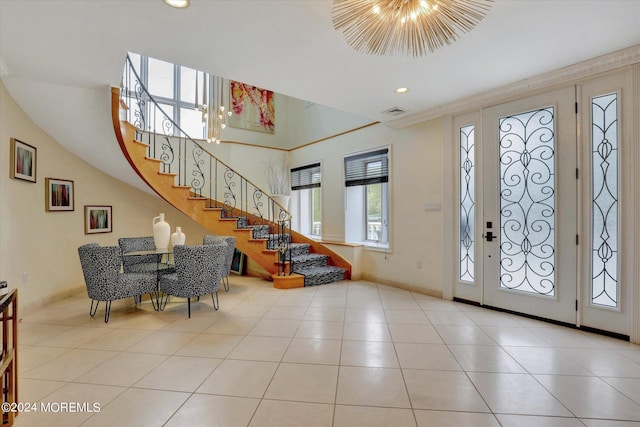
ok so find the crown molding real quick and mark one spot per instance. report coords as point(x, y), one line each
point(566, 75)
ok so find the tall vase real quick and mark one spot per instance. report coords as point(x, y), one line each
point(178, 238)
point(282, 200)
point(161, 232)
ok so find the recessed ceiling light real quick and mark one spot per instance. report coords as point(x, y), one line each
point(402, 90)
point(180, 4)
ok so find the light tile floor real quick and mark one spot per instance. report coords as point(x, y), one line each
point(346, 354)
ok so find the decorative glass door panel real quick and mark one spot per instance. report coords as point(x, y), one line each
point(606, 262)
point(529, 206)
point(527, 202)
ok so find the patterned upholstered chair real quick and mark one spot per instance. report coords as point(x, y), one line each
point(210, 239)
point(138, 263)
point(105, 281)
point(199, 270)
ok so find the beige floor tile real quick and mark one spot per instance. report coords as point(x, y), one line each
point(275, 328)
point(485, 358)
point(349, 416)
point(36, 390)
point(608, 423)
point(426, 334)
point(304, 383)
point(210, 345)
point(369, 353)
point(84, 400)
point(434, 304)
point(178, 373)
point(124, 369)
point(294, 300)
point(273, 413)
point(531, 421)
point(269, 349)
point(365, 315)
point(449, 318)
point(233, 325)
point(241, 378)
point(400, 304)
point(249, 309)
point(604, 362)
point(32, 356)
point(163, 342)
point(214, 411)
point(514, 336)
point(372, 387)
point(286, 312)
point(117, 339)
point(455, 419)
point(193, 324)
point(325, 313)
point(426, 356)
point(630, 387)
point(471, 335)
point(590, 397)
point(329, 301)
point(518, 394)
point(75, 337)
point(320, 329)
point(544, 360)
point(304, 350)
point(441, 390)
point(138, 407)
point(416, 317)
point(356, 331)
point(70, 365)
point(40, 332)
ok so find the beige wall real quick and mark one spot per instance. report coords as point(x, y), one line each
point(38, 249)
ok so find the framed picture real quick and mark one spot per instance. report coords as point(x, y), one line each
point(59, 195)
point(23, 161)
point(237, 264)
point(253, 108)
point(97, 219)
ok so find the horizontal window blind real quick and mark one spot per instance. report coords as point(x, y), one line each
point(304, 177)
point(367, 168)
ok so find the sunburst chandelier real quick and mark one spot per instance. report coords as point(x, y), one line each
point(384, 27)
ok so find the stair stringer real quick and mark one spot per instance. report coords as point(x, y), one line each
point(210, 218)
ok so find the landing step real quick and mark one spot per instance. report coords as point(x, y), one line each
point(320, 275)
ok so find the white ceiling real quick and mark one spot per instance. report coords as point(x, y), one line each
point(58, 57)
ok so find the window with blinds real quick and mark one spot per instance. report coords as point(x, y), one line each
point(367, 168)
point(304, 177)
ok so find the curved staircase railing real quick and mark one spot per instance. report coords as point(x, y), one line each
point(201, 176)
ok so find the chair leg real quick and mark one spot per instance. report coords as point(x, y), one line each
point(155, 302)
point(107, 311)
point(92, 310)
point(189, 307)
point(225, 282)
point(216, 303)
point(162, 301)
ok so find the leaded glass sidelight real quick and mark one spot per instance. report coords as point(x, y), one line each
point(604, 208)
point(527, 202)
point(467, 203)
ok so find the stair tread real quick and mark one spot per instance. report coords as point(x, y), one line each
point(306, 257)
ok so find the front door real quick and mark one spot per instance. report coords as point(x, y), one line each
point(529, 206)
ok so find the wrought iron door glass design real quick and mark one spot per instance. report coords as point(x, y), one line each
point(527, 202)
point(467, 203)
point(604, 209)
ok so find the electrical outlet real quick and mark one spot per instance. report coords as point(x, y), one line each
point(24, 278)
point(419, 265)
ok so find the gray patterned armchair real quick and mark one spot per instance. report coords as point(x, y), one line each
point(210, 239)
point(138, 263)
point(104, 280)
point(199, 270)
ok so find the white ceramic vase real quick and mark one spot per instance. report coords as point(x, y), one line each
point(161, 232)
point(178, 238)
point(282, 200)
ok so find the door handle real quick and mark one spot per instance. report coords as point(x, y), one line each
point(489, 236)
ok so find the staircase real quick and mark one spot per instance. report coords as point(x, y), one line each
point(211, 193)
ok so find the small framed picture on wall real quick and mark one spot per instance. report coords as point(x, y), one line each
point(97, 219)
point(23, 161)
point(58, 195)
